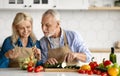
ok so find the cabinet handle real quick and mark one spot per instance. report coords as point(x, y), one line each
point(30, 6)
point(54, 6)
point(25, 5)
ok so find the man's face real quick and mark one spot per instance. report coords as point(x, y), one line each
point(49, 25)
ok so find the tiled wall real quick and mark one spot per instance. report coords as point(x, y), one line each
point(99, 29)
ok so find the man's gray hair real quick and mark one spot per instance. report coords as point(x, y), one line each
point(53, 13)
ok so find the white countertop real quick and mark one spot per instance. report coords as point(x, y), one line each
point(18, 72)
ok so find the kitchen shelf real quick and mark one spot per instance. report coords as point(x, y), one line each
point(103, 50)
point(104, 8)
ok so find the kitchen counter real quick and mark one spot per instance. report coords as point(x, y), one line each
point(19, 72)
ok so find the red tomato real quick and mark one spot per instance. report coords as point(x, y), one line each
point(30, 69)
point(86, 71)
point(90, 72)
point(95, 71)
point(81, 71)
point(104, 74)
point(98, 72)
point(38, 69)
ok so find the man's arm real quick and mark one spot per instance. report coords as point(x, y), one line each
point(79, 50)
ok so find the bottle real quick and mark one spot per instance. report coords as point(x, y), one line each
point(112, 56)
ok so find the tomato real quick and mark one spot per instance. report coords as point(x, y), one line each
point(30, 69)
point(86, 71)
point(98, 72)
point(81, 71)
point(104, 74)
point(38, 69)
point(90, 72)
point(95, 71)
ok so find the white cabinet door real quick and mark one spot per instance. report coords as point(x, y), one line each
point(1, 3)
point(14, 4)
point(72, 4)
point(28, 4)
point(42, 4)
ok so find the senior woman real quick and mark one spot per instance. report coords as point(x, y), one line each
point(21, 44)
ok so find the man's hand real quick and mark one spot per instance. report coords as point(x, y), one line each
point(69, 57)
point(12, 54)
point(51, 61)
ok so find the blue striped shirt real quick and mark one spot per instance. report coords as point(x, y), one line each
point(75, 43)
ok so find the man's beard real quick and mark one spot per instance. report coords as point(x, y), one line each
point(51, 33)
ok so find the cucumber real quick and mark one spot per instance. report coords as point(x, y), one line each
point(101, 69)
point(58, 65)
point(73, 67)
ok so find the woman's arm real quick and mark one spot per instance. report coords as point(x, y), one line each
point(38, 54)
point(7, 45)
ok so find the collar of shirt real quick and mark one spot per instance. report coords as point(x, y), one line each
point(61, 39)
point(29, 44)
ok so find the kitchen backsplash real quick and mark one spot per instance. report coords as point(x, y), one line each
point(99, 29)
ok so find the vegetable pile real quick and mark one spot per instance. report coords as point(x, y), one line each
point(106, 68)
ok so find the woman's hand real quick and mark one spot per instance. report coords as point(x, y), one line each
point(12, 54)
point(37, 53)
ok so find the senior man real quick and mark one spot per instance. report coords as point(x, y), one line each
point(60, 45)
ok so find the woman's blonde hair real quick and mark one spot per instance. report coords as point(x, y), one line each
point(19, 18)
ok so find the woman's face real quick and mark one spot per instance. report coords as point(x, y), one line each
point(24, 29)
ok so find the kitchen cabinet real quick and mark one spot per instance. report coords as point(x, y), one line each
point(44, 4)
point(72, 4)
point(27, 4)
point(51, 4)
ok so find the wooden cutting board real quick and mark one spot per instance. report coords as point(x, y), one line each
point(60, 70)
